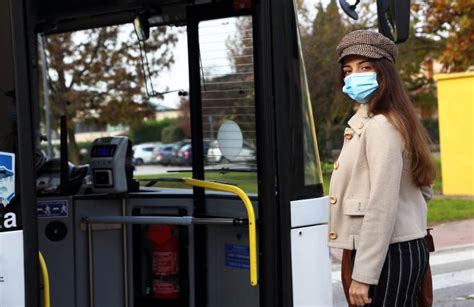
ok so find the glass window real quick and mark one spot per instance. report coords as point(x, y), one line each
point(108, 95)
point(312, 167)
point(228, 101)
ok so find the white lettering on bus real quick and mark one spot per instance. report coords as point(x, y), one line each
point(9, 220)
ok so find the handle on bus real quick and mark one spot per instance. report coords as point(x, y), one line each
point(250, 215)
point(45, 276)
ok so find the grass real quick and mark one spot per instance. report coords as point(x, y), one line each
point(245, 181)
point(439, 209)
point(448, 210)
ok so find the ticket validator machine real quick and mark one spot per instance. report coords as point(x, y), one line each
point(111, 165)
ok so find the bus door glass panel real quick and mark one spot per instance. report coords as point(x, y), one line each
point(159, 125)
point(228, 101)
point(312, 165)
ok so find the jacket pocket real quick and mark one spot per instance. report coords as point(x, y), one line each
point(355, 206)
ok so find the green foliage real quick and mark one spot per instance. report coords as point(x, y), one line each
point(415, 66)
point(327, 168)
point(150, 131)
point(431, 125)
point(451, 22)
point(337, 140)
point(172, 134)
point(437, 185)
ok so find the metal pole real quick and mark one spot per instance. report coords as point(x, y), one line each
point(47, 107)
point(90, 261)
point(125, 253)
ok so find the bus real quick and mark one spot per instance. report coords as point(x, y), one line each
point(248, 231)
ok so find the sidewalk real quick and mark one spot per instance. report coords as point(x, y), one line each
point(453, 234)
point(446, 236)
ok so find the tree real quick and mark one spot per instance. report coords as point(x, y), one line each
point(99, 73)
point(172, 134)
point(331, 107)
point(415, 64)
point(150, 130)
point(240, 46)
point(185, 116)
point(319, 49)
point(451, 23)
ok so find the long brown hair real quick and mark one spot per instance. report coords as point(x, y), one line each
point(391, 100)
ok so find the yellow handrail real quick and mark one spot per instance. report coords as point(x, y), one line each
point(250, 214)
point(45, 275)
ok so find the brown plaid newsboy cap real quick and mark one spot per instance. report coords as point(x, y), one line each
point(369, 44)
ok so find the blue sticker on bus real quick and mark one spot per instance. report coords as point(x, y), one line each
point(7, 178)
point(237, 256)
point(52, 208)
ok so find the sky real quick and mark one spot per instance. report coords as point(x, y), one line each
point(177, 77)
point(212, 37)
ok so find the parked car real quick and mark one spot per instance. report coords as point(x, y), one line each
point(179, 145)
point(247, 154)
point(166, 154)
point(185, 154)
point(143, 153)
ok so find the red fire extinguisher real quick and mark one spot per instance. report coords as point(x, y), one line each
point(165, 257)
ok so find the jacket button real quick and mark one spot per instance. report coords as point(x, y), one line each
point(332, 200)
point(361, 125)
point(348, 135)
point(332, 235)
point(336, 165)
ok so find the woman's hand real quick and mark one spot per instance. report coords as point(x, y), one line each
point(359, 293)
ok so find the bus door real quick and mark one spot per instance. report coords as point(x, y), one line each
point(252, 126)
point(251, 115)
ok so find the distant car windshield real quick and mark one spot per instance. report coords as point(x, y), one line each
point(167, 148)
point(185, 147)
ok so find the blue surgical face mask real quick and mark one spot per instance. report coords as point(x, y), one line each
point(360, 86)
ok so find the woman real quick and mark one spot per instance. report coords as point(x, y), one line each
point(381, 179)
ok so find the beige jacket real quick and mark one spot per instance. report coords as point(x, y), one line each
point(373, 200)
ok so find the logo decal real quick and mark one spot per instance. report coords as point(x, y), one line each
point(7, 178)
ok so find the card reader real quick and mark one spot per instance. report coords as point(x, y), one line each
point(111, 164)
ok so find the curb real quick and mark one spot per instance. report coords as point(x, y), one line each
point(449, 248)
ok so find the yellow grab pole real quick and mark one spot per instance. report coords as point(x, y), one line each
point(250, 214)
point(45, 275)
